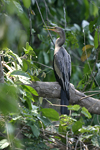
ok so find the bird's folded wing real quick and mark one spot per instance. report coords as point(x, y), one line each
point(62, 67)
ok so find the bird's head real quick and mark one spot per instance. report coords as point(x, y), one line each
point(58, 30)
point(60, 41)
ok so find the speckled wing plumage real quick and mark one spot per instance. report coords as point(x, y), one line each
point(62, 70)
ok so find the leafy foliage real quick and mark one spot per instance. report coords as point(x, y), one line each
point(27, 55)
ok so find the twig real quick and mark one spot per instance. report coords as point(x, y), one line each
point(89, 96)
point(30, 41)
point(44, 21)
point(58, 105)
point(92, 91)
point(19, 132)
point(56, 141)
point(66, 140)
point(46, 11)
point(53, 133)
point(65, 14)
point(43, 65)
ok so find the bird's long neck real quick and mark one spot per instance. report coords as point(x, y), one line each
point(60, 41)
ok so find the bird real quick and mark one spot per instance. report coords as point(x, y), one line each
point(62, 67)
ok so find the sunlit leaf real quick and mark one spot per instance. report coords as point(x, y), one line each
point(82, 137)
point(86, 113)
point(27, 45)
point(22, 76)
point(4, 143)
point(29, 50)
point(16, 57)
point(29, 88)
point(18, 6)
point(27, 3)
point(21, 73)
point(50, 113)
point(87, 49)
point(74, 107)
point(85, 23)
point(90, 129)
point(16, 118)
point(43, 74)
point(96, 140)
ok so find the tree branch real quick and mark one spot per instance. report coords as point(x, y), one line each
point(52, 90)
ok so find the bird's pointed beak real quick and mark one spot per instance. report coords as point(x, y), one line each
point(50, 28)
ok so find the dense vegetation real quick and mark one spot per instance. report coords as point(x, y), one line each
point(26, 51)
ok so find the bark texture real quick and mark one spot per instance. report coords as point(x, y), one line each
point(52, 90)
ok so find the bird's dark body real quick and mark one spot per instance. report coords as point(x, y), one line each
point(62, 71)
point(62, 67)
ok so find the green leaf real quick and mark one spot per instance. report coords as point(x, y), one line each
point(27, 3)
point(40, 57)
point(21, 76)
point(41, 37)
point(45, 121)
point(27, 45)
point(87, 49)
point(86, 137)
point(86, 113)
point(30, 89)
point(18, 6)
point(95, 10)
point(18, 58)
point(74, 107)
point(20, 73)
point(96, 39)
point(16, 118)
point(92, 25)
point(14, 55)
point(86, 8)
point(90, 129)
point(85, 23)
point(8, 98)
point(25, 65)
point(77, 125)
point(96, 140)
point(4, 143)
point(50, 113)
point(46, 58)
point(29, 50)
point(35, 130)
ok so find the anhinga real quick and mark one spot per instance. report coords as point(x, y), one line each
point(62, 67)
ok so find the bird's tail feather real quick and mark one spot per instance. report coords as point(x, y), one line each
point(64, 101)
